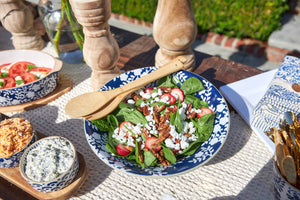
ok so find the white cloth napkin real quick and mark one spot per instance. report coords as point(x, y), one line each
point(279, 97)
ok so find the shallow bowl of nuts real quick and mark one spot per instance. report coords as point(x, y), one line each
point(16, 134)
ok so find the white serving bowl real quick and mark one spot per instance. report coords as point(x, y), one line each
point(34, 90)
point(51, 184)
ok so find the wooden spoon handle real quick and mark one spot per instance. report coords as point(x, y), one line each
point(173, 66)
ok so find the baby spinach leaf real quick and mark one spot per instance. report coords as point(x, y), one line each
point(197, 103)
point(165, 81)
point(139, 102)
point(111, 149)
point(149, 158)
point(132, 115)
point(205, 126)
point(113, 121)
point(191, 85)
point(175, 120)
point(101, 124)
point(191, 148)
point(168, 154)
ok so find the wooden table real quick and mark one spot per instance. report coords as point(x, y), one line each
point(138, 51)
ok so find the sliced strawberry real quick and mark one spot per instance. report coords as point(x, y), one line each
point(169, 98)
point(175, 151)
point(153, 143)
point(178, 94)
point(123, 150)
point(124, 126)
point(148, 90)
point(204, 111)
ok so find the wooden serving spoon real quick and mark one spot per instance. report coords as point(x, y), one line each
point(92, 102)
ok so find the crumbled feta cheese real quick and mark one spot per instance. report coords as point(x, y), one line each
point(131, 101)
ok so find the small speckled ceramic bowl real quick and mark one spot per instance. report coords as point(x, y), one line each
point(283, 189)
point(57, 183)
point(34, 90)
point(14, 160)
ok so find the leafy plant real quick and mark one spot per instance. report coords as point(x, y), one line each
point(236, 18)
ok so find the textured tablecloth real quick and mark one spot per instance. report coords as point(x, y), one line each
point(242, 169)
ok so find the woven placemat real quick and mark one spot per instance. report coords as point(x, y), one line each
point(242, 169)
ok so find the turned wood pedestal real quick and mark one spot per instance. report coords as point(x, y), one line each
point(17, 18)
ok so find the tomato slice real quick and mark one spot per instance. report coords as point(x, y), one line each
point(40, 69)
point(18, 68)
point(122, 150)
point(153, 143)
point(28, 77)
point(204, 111)
point(9, 82)
point(168, 97)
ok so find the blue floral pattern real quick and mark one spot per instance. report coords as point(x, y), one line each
point(279, 97)
point(284, 190)
point(97, 138)
point(57, 184)
point(14, 160)
point(29, 92)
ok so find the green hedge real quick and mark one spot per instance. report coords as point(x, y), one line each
point(237, 18)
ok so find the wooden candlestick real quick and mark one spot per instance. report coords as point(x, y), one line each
point(174, 30)
point(100, 50)
point(17, 18)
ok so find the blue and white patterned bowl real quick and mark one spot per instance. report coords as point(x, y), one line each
point(97, 138)
point(283, 189)
point(34, 90)
point(58, 183)
point(14, 160)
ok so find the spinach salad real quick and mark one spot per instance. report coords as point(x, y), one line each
point(159, 125)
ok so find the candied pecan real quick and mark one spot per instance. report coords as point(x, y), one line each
point(164, 133)
point(163, 119)
point(190, 115)
point(165, 89)
point(160, 156)
point(136, 96)
point(140, 152)
point(158, 108)
point(187, 135)
point(162, 126)
point(189, 108)
point(145, 132)
point(156, 117)
point(172, 109)
point(139, 108)
point(167, 115)
point(168, 111)
point(177, 141)
point(165, 162)
point(146, 110)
